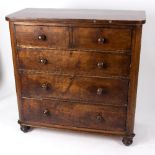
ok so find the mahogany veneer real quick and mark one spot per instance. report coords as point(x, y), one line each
point(77, 69)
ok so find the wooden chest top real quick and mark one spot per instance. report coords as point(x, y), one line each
point(89, 15)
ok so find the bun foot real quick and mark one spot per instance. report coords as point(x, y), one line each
point(128, 140)
point(25, 128)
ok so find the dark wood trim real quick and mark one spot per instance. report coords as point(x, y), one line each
point(15, 64)
point(72, 24)
point(136, 44)
point(83, 21)
point(42, 125)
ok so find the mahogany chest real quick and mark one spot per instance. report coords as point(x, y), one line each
point(77, 69)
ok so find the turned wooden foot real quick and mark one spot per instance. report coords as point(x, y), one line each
point(128, 139)
point(25, 128)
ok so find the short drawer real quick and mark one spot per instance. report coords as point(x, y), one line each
point(102, 38)
point(50, 112)
point(42, 36)
point(94, 90)
point(75, 62)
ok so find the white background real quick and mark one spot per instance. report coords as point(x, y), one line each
point(44, 141)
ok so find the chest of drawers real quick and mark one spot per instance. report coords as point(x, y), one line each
point(77, 69)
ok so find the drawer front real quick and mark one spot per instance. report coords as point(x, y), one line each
point(42, 36)
point(75, 62)
point(102, 38)
point(74, 114)
point(99, 90)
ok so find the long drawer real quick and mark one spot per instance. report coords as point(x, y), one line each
point(94, 90)
point(75, 62)
point(69, 114)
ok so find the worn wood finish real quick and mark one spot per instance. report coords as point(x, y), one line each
point(79, 15)
point(83, 38)
point(136, 45)
point(102, 38)
point(75, 62)
point(74, 114)
point(15, 64)
point(103, 90)
point(42, 36)
point(77, 69)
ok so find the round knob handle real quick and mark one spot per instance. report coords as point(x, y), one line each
point(99, 91)
point(46, 112)
point(42, 37)
point(44, 86)
point(100, 65)
point(101, 40)
point(99, 117)
point(43, 61)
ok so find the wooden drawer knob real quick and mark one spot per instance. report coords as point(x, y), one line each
point(99, 117)
point(100, 65)
point(99, 91)
point(42, 37)
point(46, 112)
point(101, 40)
point(43, 61)
point(44, 86)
